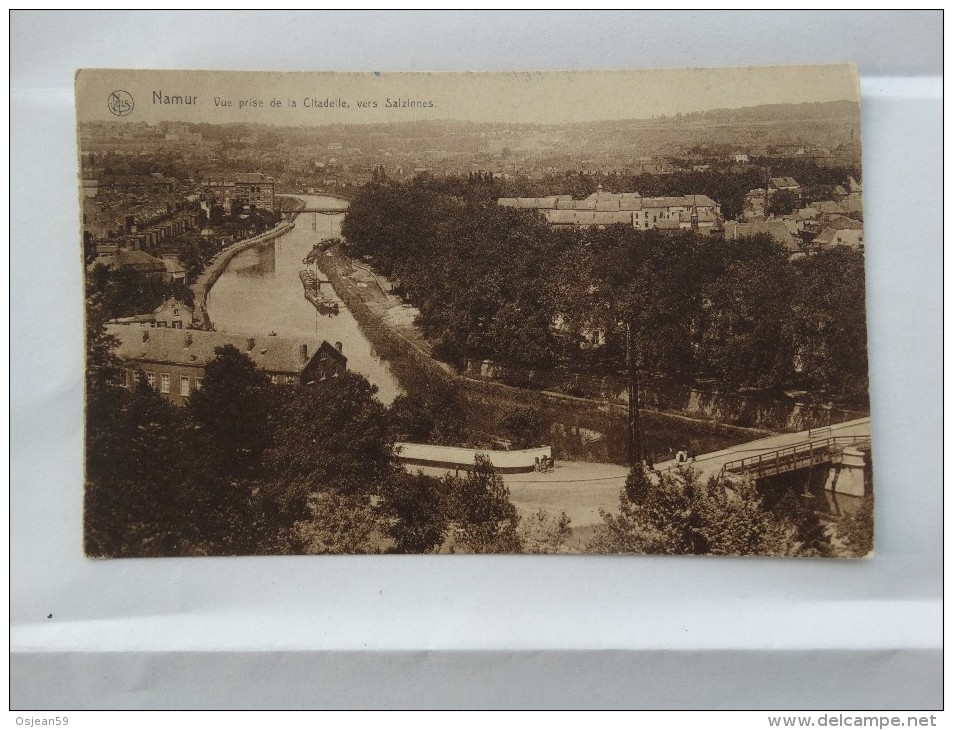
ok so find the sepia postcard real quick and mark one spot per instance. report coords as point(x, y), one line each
point(606, 312)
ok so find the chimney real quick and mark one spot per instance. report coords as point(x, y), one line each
point(250, 344)
point(304, 351)
point(339, 346)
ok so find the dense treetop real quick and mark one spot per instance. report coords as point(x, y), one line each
point(490, 282)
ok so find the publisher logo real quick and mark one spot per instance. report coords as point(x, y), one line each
point(120, 103)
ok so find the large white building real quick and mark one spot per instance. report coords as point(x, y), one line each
point(603, 209)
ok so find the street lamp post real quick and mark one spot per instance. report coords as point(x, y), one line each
point(634, 426)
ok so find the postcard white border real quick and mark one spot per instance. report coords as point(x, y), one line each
point(548, 626)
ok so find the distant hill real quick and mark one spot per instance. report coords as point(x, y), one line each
point(780, 112)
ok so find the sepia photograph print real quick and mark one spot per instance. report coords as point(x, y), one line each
point(606, 312)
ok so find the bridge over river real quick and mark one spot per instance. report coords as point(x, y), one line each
point(330, 210)
point(835, 445)
point(581, 489)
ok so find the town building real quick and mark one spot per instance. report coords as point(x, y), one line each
point(604, 209)
point(254, 190)
point(854, 200)
point(137, 211)
point(173, 313)
point(90, 187)
point(806, 214)
point(774, 227)
point(121, 259)
point(784, 183)
point(175, 271)
point(173, 360)
point(754, 207)
point(840, 231)
point(829, 208)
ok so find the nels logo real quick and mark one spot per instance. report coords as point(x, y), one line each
point(120, 103)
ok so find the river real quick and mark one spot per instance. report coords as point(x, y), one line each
point(260, 292)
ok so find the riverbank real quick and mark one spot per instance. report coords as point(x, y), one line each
point(203, 284)
point(581, 429)
point(406, 351)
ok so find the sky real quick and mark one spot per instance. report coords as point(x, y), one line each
point(520, 97)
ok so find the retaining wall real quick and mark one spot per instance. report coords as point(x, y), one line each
point(453, 457)
point(755, 411)
point(218, 264)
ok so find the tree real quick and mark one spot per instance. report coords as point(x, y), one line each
point(679, 516)
point(413, 512)
point(492, 282)
point(637, 485)
point(233, 412)
point(855, 531)
point(194, 254)
point(745, 324)
point(480, 508)
point(433, 411)
point(333, 435)
point(338, 524)
point(134, 471)
point(524, 427)
point(102, 366)
point(829, 322)
point(542, 533)
point(783, 202)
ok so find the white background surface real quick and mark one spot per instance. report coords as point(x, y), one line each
point(461, 631)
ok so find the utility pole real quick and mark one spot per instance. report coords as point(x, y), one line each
point(634, 430)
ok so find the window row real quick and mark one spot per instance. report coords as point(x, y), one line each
point(283, 379)
point(127, 378)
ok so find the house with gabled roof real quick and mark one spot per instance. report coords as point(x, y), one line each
point(783, 183)
point(173, 313)
point(123, 259)
point(839, 237)
point(173, 360)
point(773, 227)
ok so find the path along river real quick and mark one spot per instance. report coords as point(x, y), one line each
point(260, 293)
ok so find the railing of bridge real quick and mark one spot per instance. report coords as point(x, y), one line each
point(323, 211)
point(796, 456)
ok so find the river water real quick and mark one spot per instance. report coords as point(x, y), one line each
point(260, 293)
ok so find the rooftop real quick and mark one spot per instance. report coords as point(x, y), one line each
point(197, 347)
point(774, 228)
point(129, 259)
point(843, 223)
point(609, 202)
point(253, 177)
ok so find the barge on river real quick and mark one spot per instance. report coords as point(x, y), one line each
point(312, 292)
